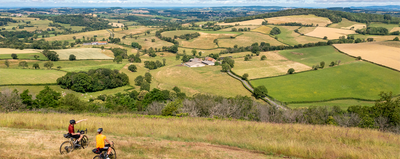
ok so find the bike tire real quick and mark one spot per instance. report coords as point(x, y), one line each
point(96, 157)
point(114, 153)
point(84, 141)
point(66, 147)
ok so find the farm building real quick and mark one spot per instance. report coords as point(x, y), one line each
point(210, 59)
point(194, 64)
point(96, 43)
point(195, 60)
point(208, 63)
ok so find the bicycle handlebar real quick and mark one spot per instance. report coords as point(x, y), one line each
point(82, 131)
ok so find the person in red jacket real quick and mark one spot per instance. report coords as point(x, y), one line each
point(71, 130)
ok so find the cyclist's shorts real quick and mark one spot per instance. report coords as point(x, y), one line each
point(76, 136)
point(105, 148)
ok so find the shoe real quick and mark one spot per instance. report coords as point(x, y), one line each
point(77, 145)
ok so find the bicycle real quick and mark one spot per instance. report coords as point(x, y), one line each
point(103, 154)
point(69, 146)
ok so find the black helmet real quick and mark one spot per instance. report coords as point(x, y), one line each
point(100, 130)
point(72, 122)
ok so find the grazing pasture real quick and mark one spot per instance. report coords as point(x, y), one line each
point(355, 80)
point(288, 36)
point(314, 55)
point(204, 41)
point(145, 40)
point(387, 26)
point(134, 30)
point(83, 54)
point(29, 76)
point(274, 65)
point(380, 54)
point(248, 38)
point(29, 56)
point(304, 19)
point(331, 33)
point(344, 104)
point(248, 22)
point(347, 24)
point(99, 33)
point(36, 24)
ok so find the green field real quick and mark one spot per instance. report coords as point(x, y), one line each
point(343, 23)
point(25, 76)
point(72, 66)
point(387, 26)
point(288, 36)
point(248, 38)
point(344, 104)
point(355, 80)
point(83, 54)
point(25, 56)
point(314, 55)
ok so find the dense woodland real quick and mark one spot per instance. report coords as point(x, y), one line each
point(5, 21)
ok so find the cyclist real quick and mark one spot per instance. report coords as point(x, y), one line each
point(100, 138)
point(71, 131)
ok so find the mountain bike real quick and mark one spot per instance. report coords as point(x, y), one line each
point(69, 146)
point(103, 154)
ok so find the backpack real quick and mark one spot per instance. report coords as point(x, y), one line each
point(96, 151)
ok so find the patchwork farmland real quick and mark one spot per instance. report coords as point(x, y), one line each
point(330, 33)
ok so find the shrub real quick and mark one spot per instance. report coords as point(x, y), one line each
point(358, 58)
point(325, 38)
point(263, 57)
point(225, 67)
point(322, 64)
point(10, 101)
point(132, 68)
point(171, 109)
point(153, 40)
point(275, 31)
point(290, 71)
point(23, 64)
point(245, 76)
point(396, 39)
point(72, 57)
point(260, 91)
point(14, 56)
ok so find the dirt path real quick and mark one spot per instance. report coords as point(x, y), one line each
point(25, 143)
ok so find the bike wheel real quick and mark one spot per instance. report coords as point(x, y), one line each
point(84, 141)
point(66, 147)
point(113, 154)
point(96, 157)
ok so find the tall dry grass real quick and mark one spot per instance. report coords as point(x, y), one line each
point(305, 141)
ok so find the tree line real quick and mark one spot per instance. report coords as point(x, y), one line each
point(89, 22)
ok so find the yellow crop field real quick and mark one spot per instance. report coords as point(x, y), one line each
point(100, 35)
point(380, 54)
point(248, 38)
point(83, 54)
point(331, 33)
point(274, 65)
point(263, 29)
point(248, 22)
point(376, 38)
point(17, 51)
point(304, 19)
point(395, 29)
point(138, 136)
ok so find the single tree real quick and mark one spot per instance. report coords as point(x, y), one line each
point(325, 38)
point(36, 56)
point(74, 37)
point(322, 64)
point(226, 67)
point(139, 80)
point(145, 86)
point(396, 39)
point(72, 44)
point(147, 77)
point(358, 58)
point(14, 56)
point(102, 47)
point(194, 51)
point(153, 40)
point(332, 64)
point(290, 71)
point(23, 64)
point(164, 61)
point(245, 76)
point(118, 59)
point(36, 66)
point(48, 64)
point(7, 63)
point(260, 91)
point(132, 68)
point(176, 89)
point(72, 57)
point(263, 57)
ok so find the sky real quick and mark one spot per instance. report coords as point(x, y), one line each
point(193, 3)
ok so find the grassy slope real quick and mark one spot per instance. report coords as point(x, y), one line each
point(288, 36)
point(344, 104)
point(358, 80)
point(304, 141)
point(248, 38)
point(82, 53)
point(343, 23)
point(387, 26)
point(314, 55)
point(22, 76)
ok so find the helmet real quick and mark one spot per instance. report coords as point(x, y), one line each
point(72, 122)
point(100, 130)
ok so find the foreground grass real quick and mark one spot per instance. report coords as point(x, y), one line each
point(30, 56)
point(314, 55)
point(305, 141)
point(357, 80)
point(24, 76)
point(344, 104)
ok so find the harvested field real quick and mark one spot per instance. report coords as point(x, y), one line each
point(248, 38)
point(305, 30)
point(17, 51)
point(83, 54)
point(288, 36)
point(263, 29)
point(273, 66)
point(331, 33)
point(395, 29)
point(31, 76)
point(119, 25)
point(248, 22)
point(389, 43)
point(354, 80)
point(347, 24)
point(100, 35)
point(145, 41)
point(380, 54)
point(133, 30)
point(304, 19)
